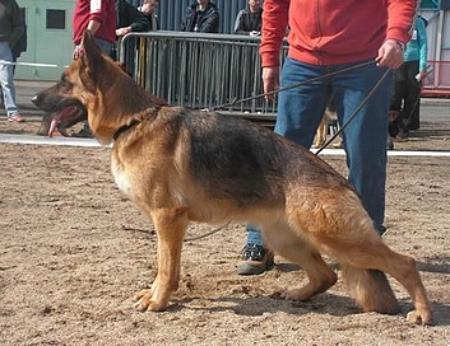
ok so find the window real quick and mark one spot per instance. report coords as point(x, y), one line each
point(56, 19)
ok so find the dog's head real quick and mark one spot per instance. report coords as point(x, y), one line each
point(96, 86)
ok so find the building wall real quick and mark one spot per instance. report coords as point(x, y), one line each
point(49, 38)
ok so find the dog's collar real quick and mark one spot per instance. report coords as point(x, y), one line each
point(121, 130)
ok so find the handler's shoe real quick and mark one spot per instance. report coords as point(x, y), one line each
point(16, 118)
point(256, 260)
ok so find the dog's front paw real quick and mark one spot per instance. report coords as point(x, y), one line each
point(423, 317)
point(145, 302)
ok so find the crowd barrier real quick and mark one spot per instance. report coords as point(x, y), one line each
point(199, 70)
point(437, 82)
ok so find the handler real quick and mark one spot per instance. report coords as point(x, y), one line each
point(327, 36)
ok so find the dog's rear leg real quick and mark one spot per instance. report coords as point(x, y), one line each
point(371, 290)
point(320, 275)
point(365, 250)
point(294, 249)
point(170, 225)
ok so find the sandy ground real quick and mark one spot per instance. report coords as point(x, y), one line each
point(73, 251)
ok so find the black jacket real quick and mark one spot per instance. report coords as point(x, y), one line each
point(198, 21)
point(12, 25)
point(247, 21)
point(128, 15)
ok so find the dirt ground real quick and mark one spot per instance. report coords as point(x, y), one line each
point(73, 251)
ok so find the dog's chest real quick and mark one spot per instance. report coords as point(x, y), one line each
point(121, 178)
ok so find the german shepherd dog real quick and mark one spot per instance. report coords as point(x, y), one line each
point(181, 166)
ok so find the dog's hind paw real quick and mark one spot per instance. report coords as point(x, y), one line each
point(423, 318)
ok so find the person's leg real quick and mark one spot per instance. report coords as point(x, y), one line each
point(300, 110)
point(256, 257)
point(7, 83)
point(398, 96)
point(412, 98)
point(365, 137)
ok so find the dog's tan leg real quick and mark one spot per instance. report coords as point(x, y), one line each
point(294, 249)
point(170, 225)
point(365, 250)
point(320, 275)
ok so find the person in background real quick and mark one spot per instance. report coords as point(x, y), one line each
point(408, 77)
point(12, 27)
point(98, 17)
point(149, 8)
point(248, 20)
point(324, 37)
point(201, 16)
point(129, 19)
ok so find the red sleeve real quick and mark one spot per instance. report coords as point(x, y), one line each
point(98, 10)
point(400, 19)
point(275, 20)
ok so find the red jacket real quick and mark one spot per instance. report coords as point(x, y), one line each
point(102, 11)
point(328, 32)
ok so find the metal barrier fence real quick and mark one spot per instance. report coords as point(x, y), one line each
point(437, 82)
point(199, 70)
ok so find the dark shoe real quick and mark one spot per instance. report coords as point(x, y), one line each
point(256, 260)
point(16, 118)
point(403, 134)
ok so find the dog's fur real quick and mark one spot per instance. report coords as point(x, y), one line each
point(329, 117)
point(181, 166)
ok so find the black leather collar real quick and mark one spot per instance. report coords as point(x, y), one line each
point(121, 130)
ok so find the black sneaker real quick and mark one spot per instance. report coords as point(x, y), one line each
point(256, 260)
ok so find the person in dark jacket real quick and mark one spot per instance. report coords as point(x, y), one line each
point(148, 8)
point(129, 19)
point(12, 28)
point(201, 16)
point(248, 21)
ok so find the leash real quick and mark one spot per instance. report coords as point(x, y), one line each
point(292, 86)
point(208, 233)
point(311, 80)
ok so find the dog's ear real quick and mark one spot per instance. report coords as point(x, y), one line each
point(92, 62)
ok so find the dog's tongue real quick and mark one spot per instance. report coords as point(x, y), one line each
point(52, 127)
point(66, 112)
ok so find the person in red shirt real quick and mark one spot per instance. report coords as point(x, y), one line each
point(327, 36)
point(99, 17)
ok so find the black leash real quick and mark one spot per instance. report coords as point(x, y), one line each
point(292, 86)
point(311, 80)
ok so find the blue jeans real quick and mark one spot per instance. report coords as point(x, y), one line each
point(7, 80)
point(300, 111)
point(105, 46)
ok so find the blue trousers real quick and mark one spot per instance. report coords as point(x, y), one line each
point(7, 80)
point(300, 111)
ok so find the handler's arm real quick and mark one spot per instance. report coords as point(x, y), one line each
point(275, 20)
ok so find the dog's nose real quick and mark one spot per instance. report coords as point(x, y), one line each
point(34, 99)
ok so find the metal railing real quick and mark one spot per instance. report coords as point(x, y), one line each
point(200, 70)
point(437, 82)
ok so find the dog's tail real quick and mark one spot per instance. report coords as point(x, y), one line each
point(371, 290)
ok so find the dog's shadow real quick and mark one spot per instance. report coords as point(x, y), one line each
point(325, 303)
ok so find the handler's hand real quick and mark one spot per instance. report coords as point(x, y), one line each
point(270, 76)
point(390, 54)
